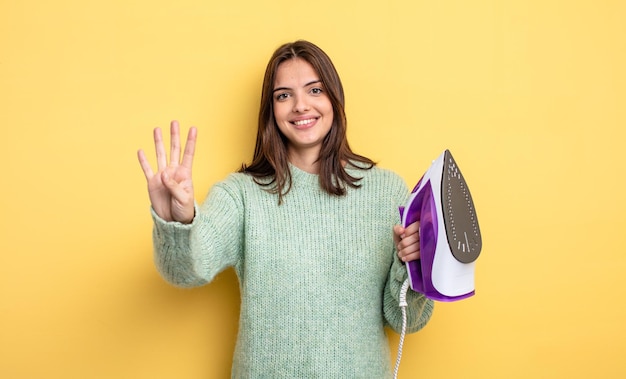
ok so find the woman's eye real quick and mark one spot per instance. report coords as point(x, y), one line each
point(316, 91)
point(282, 96)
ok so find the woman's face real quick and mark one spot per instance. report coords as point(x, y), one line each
point(302, 109)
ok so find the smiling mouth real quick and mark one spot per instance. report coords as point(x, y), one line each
point(304, 122)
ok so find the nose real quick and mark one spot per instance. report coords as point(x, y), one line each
point(300, 104)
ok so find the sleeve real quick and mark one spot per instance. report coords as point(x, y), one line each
point(191, 255)
point(420, 308)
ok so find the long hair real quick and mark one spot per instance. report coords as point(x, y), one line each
point(270, 163)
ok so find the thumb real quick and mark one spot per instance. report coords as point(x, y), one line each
point(398, 229)
point(172, 185)
point(167, 180)
point(178, 193)
point(398, 232)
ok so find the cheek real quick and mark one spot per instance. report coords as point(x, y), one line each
point(328, 107)
point(329, 112)
point(280, 111)
point(280, 118)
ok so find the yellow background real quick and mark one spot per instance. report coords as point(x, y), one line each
point(529, 96)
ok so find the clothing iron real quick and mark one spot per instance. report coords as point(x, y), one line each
point(450, 239)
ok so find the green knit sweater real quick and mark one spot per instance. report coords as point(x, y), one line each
point(318, 274)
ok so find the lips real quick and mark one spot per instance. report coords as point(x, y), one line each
point(304, 123)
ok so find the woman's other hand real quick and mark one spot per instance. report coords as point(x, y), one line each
point(171, 188)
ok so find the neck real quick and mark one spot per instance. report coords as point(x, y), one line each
point(307, 161)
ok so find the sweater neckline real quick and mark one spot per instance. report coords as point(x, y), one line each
point(300, 176)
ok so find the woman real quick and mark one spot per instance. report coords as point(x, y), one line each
point(309, 226)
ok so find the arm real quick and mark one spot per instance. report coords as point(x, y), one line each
point(419, 309)
point(190, 245)
point(172, 252)
point(190, 255)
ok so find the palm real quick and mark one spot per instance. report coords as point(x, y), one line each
point(171, 187)
point(167, 206)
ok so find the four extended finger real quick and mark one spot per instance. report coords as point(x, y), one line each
point(160, 149)
point(145, 165)
point(190, 148)
point(174, 143)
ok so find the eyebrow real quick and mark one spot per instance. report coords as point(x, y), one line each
point(306, 85)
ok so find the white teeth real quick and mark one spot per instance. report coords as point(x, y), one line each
point(304, 122)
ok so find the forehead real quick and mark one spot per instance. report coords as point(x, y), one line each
point(295, 72)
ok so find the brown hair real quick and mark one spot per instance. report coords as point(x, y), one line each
point(270, 160)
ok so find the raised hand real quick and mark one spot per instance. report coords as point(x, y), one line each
point(171, 188)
